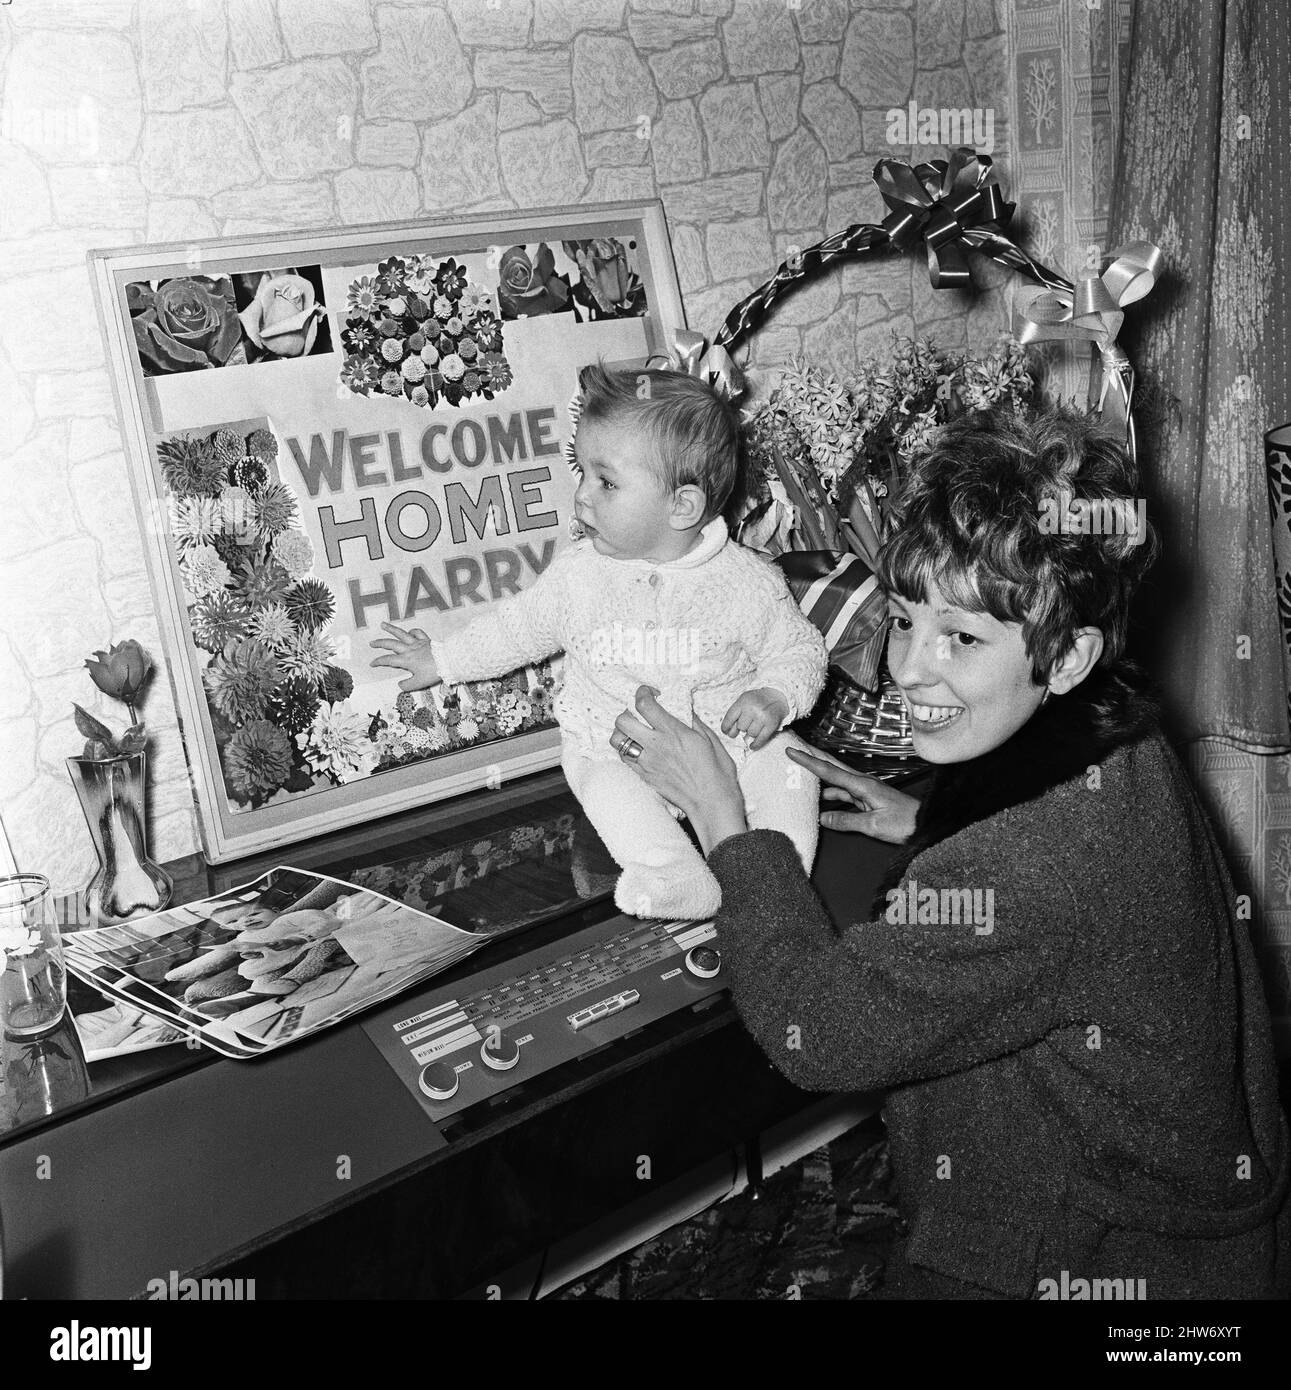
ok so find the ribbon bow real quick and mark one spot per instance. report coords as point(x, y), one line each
point(946, 204)
point(716, 367)
point(1093, 311)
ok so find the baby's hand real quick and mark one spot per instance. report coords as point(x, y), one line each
point(758, 713)
point(408, 651)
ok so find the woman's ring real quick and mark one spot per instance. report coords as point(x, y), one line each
point(630, 749)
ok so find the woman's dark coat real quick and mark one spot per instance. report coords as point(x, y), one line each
point(1088, 1088)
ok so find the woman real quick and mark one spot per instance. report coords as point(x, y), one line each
point(1055, 988)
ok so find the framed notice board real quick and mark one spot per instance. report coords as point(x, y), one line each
point(330, 430)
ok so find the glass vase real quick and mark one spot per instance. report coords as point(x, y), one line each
point(128, 883)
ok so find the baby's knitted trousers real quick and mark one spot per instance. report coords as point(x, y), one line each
point(664, 875)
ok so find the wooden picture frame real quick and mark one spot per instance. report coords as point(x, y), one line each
point(327, 430)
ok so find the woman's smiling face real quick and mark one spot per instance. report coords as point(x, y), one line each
point(965, 677)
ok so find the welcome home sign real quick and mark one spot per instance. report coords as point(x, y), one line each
point(327, 431)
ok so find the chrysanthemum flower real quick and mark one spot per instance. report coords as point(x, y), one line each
point(237, 512)
point(452, 367)
point(240, 680)
point(392, 384)
point(468, 729)
point(272, 626)
point(194, 520)
point(294, 551)
point(228, 446)
point(261, 583)
point(467, 350)
point(419, 396)
point(190, 467)
point(202, 570)
point(275, 509)
point(308, 656)
point(470, 381)
point(336, 743)
point(257, 758)
point(293, 704)
point(248, 472)
point(310, 604)
point(442, 307)
point(392, 349)
point(430, 354)
point(414, 370)
point(217, 620)
point(263, 445)
point(417, 739)
point(337, 684)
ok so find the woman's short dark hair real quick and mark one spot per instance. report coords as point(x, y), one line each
point(1033, 519)
point(694, 434)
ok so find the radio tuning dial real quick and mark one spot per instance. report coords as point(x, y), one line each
point(703, 962)
point(500, 1051)
point(438, 1081)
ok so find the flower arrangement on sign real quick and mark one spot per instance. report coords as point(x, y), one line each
point(831, 452)
point(279, 701)
point(423, 331)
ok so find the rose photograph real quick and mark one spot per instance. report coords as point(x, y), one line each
point(282, 313)
point(609, 286)
point(529, 285)
point(192, 322)
point(185, 324)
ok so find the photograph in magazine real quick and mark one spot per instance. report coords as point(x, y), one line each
point(263, 965)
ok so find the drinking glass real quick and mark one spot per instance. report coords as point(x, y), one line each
point(33, 985)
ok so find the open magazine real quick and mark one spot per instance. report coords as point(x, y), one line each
point(266, 964)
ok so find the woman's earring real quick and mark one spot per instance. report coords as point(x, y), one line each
point(1044, 699)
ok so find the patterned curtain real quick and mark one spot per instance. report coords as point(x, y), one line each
point(1203, 171)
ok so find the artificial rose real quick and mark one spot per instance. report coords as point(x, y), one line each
point(121, 671)
point(529, 287)
point(185, 324)
point(283, 317)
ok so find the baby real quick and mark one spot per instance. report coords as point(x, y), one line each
point(654, 594)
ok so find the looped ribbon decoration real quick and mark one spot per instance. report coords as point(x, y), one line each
point(1093, 311)
point(949, 205)
point(714, 367)
point(946, 204)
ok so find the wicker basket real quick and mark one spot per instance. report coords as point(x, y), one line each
point(858, 724)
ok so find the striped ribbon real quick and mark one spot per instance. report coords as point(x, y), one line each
point(842, 598)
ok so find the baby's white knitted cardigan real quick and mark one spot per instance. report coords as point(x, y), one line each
point(702, 630)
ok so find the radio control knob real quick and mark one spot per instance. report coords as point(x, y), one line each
point(438, 1081)
point(703, 962)
point(500, 1051)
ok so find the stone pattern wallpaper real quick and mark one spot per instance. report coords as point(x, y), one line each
point(758, 123)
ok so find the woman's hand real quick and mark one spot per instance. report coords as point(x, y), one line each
point(880, 811)
point(687, 765)
point(408, 650)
